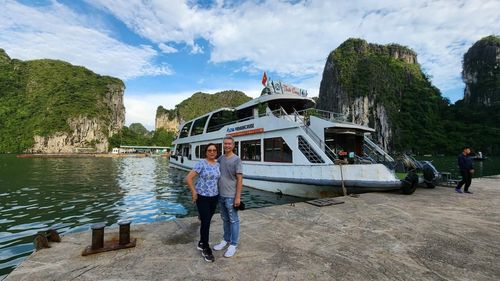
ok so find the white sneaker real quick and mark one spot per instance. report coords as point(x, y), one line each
point(220, 246)
point(231, 250)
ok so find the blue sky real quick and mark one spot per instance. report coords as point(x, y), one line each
point(166, 50)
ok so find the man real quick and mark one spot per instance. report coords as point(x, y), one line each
point(466, 170)
point(230, 186)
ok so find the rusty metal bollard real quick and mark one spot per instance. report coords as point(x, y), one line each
point(124, 232)
point(97, 236)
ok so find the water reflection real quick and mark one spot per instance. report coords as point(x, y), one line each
point(70, 194)
point(147, 196)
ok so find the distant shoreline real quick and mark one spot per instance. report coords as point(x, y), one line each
point(81, 155)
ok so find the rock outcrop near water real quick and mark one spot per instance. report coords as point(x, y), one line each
point(166, 118)
point(51, 106)
point(196, 105)
point(481, 72)
point(381, 86)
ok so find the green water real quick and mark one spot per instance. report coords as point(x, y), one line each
point(70, 194)
point(488, 167)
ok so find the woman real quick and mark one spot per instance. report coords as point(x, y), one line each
point(205, 195)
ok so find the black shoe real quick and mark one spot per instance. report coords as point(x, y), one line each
point(199, 246)
point(468, 192)
point(207, 254)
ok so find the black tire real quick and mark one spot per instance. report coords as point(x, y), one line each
point(430, 185)
point(409, 184)
point(408, 189)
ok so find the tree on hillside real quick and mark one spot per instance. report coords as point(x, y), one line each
point(138, 129)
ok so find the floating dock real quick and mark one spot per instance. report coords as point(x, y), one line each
point(434, 234)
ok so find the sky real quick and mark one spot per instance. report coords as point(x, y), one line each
point(166, 50)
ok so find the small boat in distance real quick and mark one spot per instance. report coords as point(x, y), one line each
point(289, 147)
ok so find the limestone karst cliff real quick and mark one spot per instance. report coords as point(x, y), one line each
point(166, 118)
point(51, 106)
point(481, 72)
point(381, 86)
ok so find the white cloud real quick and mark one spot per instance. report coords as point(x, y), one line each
point(289, 38)
point(141, 108)
point(167, 49)
point(293, 38)
point(57, 32)
point(196, 49)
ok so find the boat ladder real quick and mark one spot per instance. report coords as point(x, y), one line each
point(309, 152)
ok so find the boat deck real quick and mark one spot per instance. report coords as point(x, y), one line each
point(434, 234)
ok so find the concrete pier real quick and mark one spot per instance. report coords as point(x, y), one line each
point(434, 234)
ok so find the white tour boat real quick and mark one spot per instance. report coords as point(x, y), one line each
point(288, 147)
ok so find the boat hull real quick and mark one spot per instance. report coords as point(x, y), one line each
point(312, 181)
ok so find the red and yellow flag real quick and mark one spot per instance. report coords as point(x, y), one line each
point(264, 79)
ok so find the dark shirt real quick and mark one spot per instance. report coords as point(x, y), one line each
point(464, 163)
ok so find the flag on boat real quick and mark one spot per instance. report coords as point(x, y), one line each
point(264, 79)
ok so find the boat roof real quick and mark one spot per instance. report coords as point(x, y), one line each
point(274, 97)
point(342, 125)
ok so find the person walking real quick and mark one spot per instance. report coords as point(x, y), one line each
point(230, 186)
point(205, 195)
point(466, 170)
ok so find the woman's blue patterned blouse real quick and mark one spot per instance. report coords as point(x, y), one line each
point(208, 176)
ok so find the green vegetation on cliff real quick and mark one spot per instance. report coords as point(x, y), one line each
point(481, 72)
point(391, 78)
point(201, 103)
point(420, 119)
point(131, 136)
point(38, 97)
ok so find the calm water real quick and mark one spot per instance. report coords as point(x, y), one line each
point(69, 194)
point(489, 167)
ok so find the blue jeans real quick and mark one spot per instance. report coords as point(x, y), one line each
point(231, 220)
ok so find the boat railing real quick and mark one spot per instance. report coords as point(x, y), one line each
point(280, 113)
point(322, 145)
point(374, 151)
point(219, 126)
point(323, 114)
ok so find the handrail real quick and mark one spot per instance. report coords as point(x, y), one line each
point(323, 114)
point(375, 147)
point(277, 112)
point(322, 145)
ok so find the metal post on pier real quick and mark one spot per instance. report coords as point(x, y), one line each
point(97, 236)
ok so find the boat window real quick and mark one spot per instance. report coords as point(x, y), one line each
point(277, 150)
point(198, 126)
point(236, 145)
point(220, 119)
point(185, 130)
point(250, 150)
point(186, 151)
point(197, 151)
point(178, 150)
point(245, 113)
point(219, 149)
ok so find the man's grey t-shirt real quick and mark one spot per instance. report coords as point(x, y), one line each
point(229, 167)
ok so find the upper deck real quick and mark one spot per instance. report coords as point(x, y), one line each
point(277, 99)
